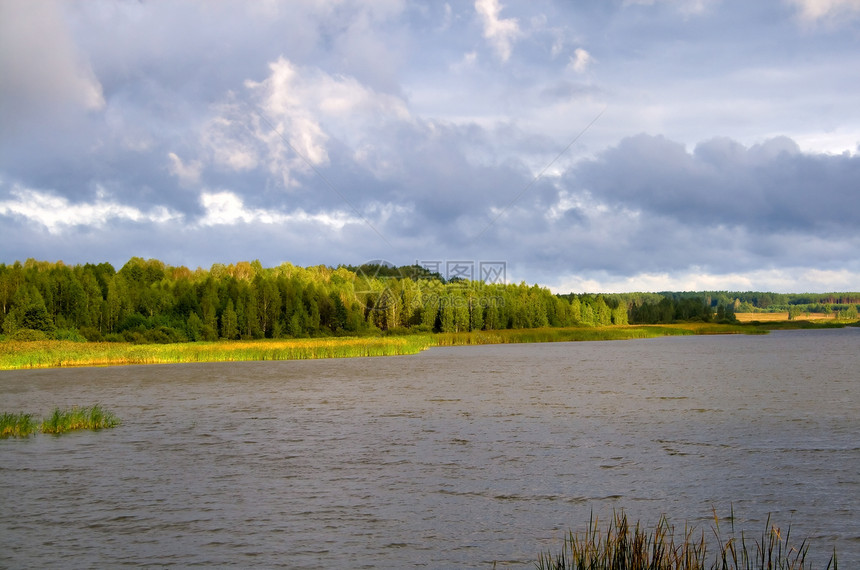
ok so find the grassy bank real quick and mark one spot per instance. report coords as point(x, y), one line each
point(53, 354)
point(60, 421)
point(621, 546)
point(588, 333)
point(15, 355)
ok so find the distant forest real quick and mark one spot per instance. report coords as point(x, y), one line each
point(148, 301)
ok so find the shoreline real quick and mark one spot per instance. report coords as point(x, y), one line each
point(30, 355)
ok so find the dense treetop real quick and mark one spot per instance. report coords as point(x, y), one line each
point(149, 301)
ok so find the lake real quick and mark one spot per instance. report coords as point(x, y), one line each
point(455, 457)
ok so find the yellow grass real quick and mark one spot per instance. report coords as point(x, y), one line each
point(16, 355)
point(782, 316)
point(54, 354)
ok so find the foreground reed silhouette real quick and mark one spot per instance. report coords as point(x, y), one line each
point(622, 547)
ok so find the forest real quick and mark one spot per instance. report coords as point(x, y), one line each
point(147, 301)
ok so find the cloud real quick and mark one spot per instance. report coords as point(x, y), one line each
point(194, 132)
point(371, 44)
point(188, 174)
point(42, 69)
point(57, 213)
point(465, 64)
point(226, 208)
point(769, 186)
point(580, 60)
point(788, 280)
point(684, 6)
point(500, 32)
point(283, 99)
point(292, 118)
point(228, 140)
point(816, 10)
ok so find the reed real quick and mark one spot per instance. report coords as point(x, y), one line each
point(53, 354)
point(94, 418)
point(568, 334)
point(622, 547)
point(547, 334)
point(16, 425)
point(16, 355)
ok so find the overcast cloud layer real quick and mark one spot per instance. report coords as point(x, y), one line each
point(593, 146)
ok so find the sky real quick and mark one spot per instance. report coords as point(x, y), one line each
point(588, 146)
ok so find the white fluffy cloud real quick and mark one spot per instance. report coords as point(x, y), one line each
point(57, 213)
point(580, 60)
point(292, 117)
point(226, 208)
point(500, 32)
point(794, 279)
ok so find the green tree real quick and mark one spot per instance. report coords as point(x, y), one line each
point(430, 312)
point(476, 314)
point(29, 313)
point(249, 323)
point(586, 313)
point(461, 313)
point(491, 315)
point(339, 312)
point(603, 314)
point(119, 302)
point(268, 304)
point(94, 301)
point(194, 327)
point(619, 315)
point(575, 311)
point(295, 326)
point(446, 315)
point(229, 322)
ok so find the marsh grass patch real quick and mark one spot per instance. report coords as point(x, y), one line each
point(59, 422)
point(621, 545)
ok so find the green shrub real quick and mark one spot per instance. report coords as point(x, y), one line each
point(29, 335)
point(70, 334)
point(92, 334)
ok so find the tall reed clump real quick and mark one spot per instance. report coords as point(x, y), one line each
point(54, 354)
point(94, 418)
point(16, 425)
point(550, 334)
point(620, 547)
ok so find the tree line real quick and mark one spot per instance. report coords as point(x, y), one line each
point(149, 301)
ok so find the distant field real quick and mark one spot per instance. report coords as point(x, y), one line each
point(782, 316)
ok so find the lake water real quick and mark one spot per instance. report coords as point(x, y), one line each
point(456, 457)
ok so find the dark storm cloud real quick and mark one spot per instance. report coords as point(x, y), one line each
point(771, 186)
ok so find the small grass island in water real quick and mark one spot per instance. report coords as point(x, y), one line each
point(60, 421)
